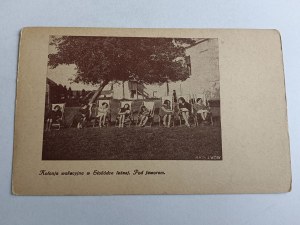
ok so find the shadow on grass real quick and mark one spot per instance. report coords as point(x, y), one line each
point(134, 143)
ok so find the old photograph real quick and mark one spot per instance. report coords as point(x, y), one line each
point(102, 111)
point(132, 98)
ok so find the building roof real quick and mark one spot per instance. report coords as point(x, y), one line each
point(50, 82)
point(198, 42)
point(107, 92)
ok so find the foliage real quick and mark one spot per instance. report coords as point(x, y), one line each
point(100, 60)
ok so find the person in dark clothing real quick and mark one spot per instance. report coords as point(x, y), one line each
point(144, 116)
point(124, 114)
point(54, 116)
point(81, 117)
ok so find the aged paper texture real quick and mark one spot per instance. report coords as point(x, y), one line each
point(102, 111)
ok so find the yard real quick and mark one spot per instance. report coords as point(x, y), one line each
point(134, 143)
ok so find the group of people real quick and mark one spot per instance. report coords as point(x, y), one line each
point(180, 108)
point(183, 108)
point(124, 115)
point(167, 112)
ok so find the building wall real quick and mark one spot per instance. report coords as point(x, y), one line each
point(205, 75)
point(118, 91)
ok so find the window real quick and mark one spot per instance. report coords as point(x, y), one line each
point(132, 93)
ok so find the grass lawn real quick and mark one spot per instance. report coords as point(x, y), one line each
point(134, 143)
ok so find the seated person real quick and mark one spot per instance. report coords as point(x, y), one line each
point(55, 116)
point(185, 109)
point(144, 116)
point(166, 113)
point(102, 113)
point(201, 109)
point(124, 114)
point(81, 117)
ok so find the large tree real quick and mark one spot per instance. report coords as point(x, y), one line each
point(101, 60)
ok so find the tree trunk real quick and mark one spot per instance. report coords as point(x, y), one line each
point(98, 92)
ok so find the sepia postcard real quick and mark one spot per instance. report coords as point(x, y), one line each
point(107, 111)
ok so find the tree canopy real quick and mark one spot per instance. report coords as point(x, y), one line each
point(100, 60)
